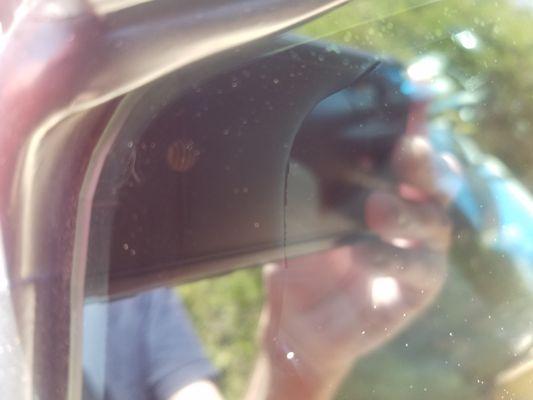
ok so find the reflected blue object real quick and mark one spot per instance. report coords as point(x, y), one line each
point(499, 208)
point(515, 212)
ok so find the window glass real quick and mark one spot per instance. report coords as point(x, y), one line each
point(349, 215)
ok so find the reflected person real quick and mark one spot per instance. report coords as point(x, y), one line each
point(144, 348)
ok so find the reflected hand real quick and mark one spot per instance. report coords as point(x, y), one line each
point(326, 310)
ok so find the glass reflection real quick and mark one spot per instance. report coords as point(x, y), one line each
point(433, 297)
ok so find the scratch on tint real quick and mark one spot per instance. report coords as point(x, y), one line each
point(281, 287)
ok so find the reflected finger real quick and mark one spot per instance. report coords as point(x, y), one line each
point(420, 167)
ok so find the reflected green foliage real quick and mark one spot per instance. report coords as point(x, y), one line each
point(225, 311)
point(456, 349)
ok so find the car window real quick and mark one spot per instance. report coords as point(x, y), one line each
point(347, 215)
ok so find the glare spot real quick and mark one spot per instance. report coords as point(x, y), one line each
point(4, 281)
point(290, 355)
point(426, 68)
point(385, 291)
point(200, 389)
point(496, 168)
point(467, 39)
point(402, 243)
point(452, 162)
point(511, 231)
point(524, 343)
point(53, 9)
point(442, 85)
